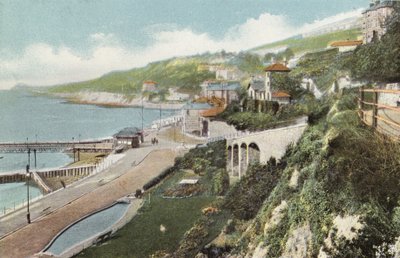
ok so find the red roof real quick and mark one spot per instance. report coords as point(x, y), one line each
point(280, 94)
point(276, 68)
point(149, 82)
point(212, 112)
point(347, 43)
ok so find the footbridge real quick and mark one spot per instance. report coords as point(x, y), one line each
point(248, 148)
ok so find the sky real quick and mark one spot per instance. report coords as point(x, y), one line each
point(46, 42)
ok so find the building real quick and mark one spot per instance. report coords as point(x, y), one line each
point(129, 136)
point(281, 97)
point(150, 86)
point(226, 90)
point(262, 89)
point(375, 18)
point(193, 122)
point(256, 89)
point(346, 45)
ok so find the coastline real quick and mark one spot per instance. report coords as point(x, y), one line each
point(113, 100)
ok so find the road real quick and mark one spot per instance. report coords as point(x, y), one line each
point(55, 211)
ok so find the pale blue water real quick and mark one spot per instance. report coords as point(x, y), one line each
point(14, 194)
point(87, 227)
point(26, 117)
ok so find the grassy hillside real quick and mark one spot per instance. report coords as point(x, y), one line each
point(301, 45)
point(177, 72)
point(334, 194)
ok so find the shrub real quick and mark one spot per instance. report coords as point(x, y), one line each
point(158, 178)
point(246, 197)
point(220, 182)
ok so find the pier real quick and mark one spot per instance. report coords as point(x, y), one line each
point(102, 145)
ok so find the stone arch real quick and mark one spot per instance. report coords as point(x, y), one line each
point(243, 158)
point(229, 158)
point(254, 153)
point(235, 160)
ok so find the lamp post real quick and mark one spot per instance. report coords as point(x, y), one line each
point(28, 177)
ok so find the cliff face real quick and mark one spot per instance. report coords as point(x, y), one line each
point(334, 194)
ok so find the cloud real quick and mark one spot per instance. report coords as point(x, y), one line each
point(42, 64)
point(329, 20)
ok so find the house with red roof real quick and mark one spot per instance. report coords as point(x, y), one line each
point(346, 45)
point(259, 89)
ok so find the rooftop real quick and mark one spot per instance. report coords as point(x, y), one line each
point(277, 68)
point(383, 4)
point(212, 112)
point(149, 82)
point(280, 94)
point(258, 85)
point(233, 85)
point(346, 43)
point(128, 132)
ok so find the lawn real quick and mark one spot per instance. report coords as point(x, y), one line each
point(142, 236)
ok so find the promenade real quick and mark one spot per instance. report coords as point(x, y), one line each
point(54, 212)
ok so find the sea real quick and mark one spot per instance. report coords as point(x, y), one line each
point(27, 117)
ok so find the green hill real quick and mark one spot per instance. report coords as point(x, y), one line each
point(177, 72)
point(184, 72)
point(310, 44)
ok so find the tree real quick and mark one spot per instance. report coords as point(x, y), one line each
point(287, 83)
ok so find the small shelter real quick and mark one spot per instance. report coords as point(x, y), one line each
point(130, 136)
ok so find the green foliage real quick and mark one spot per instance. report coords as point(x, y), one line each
point(141, 237)
point(158, 178)
point(251, 121)
point(287, 54)
point(214, 154)
point(205, 229)
point(288, 83)
point(372, 241)
point(246, 197)
point(247, 62)
point(220, 182)
point(379, 61)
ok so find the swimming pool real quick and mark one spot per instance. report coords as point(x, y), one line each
point(86, 228)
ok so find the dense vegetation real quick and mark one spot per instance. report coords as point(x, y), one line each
point(380, 60)
point(340, 169)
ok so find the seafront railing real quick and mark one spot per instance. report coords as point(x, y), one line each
point(94, 169)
